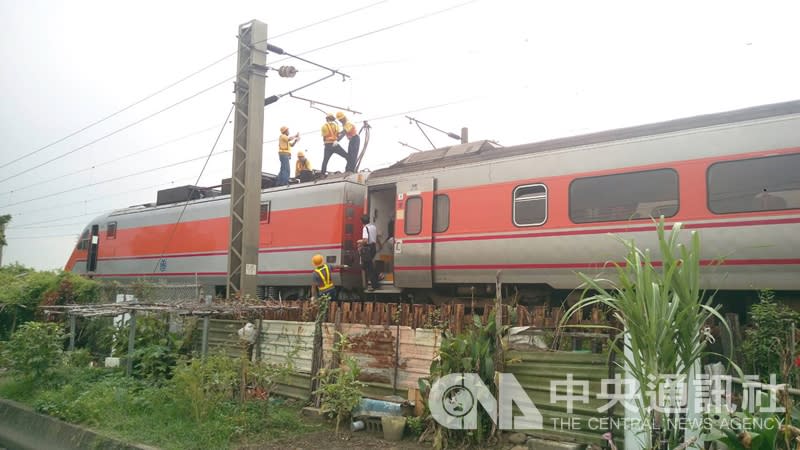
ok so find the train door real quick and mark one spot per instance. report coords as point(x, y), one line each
point(414, 233)
point(381, 211)
point(94, 241)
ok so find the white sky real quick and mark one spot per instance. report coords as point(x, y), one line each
point(512, 71)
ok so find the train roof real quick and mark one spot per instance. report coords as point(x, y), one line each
point(486, 150)
point(330, 182)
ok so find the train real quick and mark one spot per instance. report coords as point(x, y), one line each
point(453, 219)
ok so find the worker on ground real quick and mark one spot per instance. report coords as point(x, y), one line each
point(302, 168)
point(368, 247)
point(285, 144)
point(349, 130)
point(322, 279)
point(330, 136)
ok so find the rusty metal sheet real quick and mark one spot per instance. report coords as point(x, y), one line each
point(374, 347)
point(418, 347)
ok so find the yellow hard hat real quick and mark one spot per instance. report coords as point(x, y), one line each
point(340, 115)
point(317, 260)
point(284, 129)
point(301, 155)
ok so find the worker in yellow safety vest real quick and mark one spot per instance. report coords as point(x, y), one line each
point(302, 168)
point(322, 278)
point(285, 144)
point(349, 130)
point(330, 136)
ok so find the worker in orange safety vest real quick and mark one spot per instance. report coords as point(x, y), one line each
point(349, 130)
point(330, 136)
point(302, 168)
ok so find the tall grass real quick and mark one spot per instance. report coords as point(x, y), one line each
point(663, 311)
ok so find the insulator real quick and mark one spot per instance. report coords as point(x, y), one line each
point(287, 71)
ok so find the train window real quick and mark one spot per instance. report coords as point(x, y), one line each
point(441, 213)
point(530, 205)
point(264, 215)
point(758, 184)
point(413, 222)
point(624, 196)
point(83, 241)
point(111, 230)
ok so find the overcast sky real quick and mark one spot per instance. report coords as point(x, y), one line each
point(510, 71)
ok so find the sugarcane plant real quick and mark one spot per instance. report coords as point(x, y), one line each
point(661, 316)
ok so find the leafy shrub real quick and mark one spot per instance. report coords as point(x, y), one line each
point(78, 358)
point(34, 349)
point(768, 336)
point(201, 385)
point(156, 350)
point(416, 425)
point(339, 387)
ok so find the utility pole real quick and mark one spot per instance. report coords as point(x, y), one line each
point(248, 137)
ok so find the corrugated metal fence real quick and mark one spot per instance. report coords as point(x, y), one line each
point(388, 365)
point(550, 378)
point(392, 358)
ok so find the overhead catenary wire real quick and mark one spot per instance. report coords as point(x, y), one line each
point(360, 36)
point(379, 30)
point(143, 172)
point(199, 176)
point(175, 83)
point(43, 237)
point(110, 180)
point(118, 130)
point(128, 155)
point(88, 201)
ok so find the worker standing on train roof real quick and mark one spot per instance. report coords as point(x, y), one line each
point(285, 144)
point(302, 168)
point(322, 279)
point(330, 136)
point(349, 130)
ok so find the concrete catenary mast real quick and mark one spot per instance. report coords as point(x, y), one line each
point(248, 137)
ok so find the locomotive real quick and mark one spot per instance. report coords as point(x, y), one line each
point(450, 219)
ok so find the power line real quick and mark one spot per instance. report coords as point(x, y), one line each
point(378, 30)
point(85, 169)
point(48, 226)
point(203, 169)
point(51, 195)
point(110, 180)
point(143, 99)
point(203, 91)
point(173, 84)
point(86, 201)
point(424, 16)
point(327, 20)
point(43, 237)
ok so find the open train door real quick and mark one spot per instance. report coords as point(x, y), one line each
point(414, 233)
point(94, 242)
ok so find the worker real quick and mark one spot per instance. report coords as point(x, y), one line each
point(302, 168)
point(349, 130)
point(285, 144)
point(367, 248)
point(322, 278)
point(330, 136)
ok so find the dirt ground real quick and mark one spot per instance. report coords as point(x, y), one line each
point(327, 440)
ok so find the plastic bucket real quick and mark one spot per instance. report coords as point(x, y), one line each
point(393, 427)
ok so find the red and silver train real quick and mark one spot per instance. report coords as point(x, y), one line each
point(449, 219)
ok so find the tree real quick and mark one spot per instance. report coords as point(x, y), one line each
point(3, 221)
